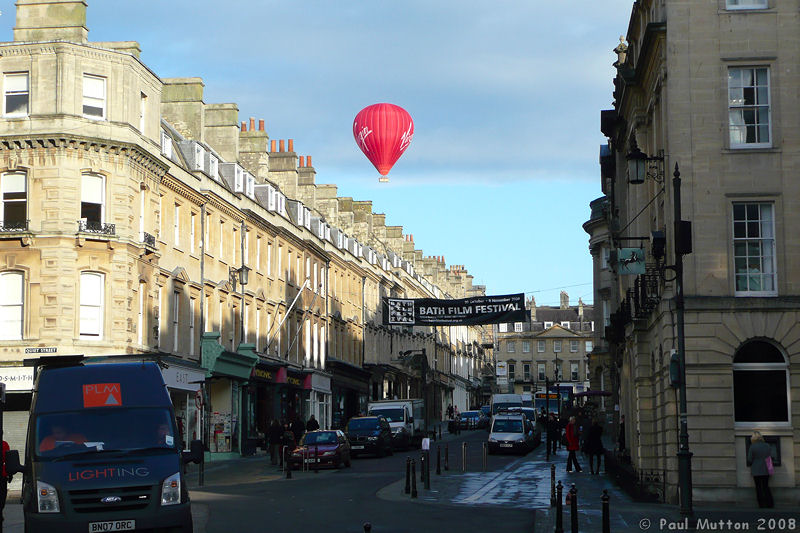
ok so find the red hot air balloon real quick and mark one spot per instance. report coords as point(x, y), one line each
point(383, 132)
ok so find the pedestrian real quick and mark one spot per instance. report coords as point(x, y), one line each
point(594, 445)
point(450, 411)
point(288, 442)
point(312, 424)
point(274, 435)
point(573, 444)
point(760, 458)
point(298, 428)
point(553, 432)
point(4, 481)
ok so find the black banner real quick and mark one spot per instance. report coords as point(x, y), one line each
point(462, 312)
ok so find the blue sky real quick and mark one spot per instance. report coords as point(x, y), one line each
point(505, 97)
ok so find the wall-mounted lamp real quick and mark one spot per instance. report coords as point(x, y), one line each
point(641, 166)
point(239, 274)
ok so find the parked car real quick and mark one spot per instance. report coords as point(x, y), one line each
point(369, 434)
point(487, 410)
point(532, 416)
point(511, 432)
point(472, 420)
point(323, 447)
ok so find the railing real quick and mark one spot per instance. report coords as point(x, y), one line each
point(99, 228)
point(149, 240)
point(19, 226)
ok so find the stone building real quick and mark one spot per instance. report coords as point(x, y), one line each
point(709, 89)
point(140, 222)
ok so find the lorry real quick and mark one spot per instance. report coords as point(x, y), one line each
point(103, 451)
point(502, 402)
point(406, 419)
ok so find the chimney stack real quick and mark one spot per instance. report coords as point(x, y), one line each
point(281, 146)
point(291, 145)
point(244, 126)
point(261, 124)
point(273, 145)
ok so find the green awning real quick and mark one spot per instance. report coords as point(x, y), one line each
point(220, 362)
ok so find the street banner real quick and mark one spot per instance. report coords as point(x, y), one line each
point(461, 312)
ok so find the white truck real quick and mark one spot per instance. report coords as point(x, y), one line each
point(406, 418)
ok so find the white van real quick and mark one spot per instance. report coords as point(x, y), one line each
point(505, 401)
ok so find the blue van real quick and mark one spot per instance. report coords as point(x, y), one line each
point(103, 452)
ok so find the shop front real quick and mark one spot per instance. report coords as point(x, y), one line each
point(184, 382)
point(263, 400)
point(227, 374)
point(350, 390)
point(19, 386)
point(318, 403)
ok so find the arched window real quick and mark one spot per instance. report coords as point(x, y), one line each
point(760, 384)
point(12, 305)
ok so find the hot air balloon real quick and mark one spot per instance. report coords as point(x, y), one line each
point(383, 132)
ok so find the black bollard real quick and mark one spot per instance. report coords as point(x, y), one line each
point(606, 520)
point(440, 432)
point(427, 470)
point(552, 485)
point(446, 457)
point(573, 512)
point(559, 509)
point(316, 459)
point(286, 464)
point(367, 527)
point(408, 475)
point(422, 467)
point(438, 460)
point(464, 456)
point(413, 479)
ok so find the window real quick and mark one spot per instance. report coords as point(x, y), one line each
point(192, 231)
point(540, 346)
point(12, 305)
point(517, 327)
point(746, 4)
point(526, 371)
point(176, 222)
point(589, 347)
point(280, 259)
point(257, 339)
point(14, 211)
point(246, 322)
point(91, 298)
point(221, 240)
point(573, 371)
point(510, 348)
point(557, 371)
point(565, 324)
point(503, 328)
point(316, 280)
point(541, 369)
point(258, 252)
point(760, 384)
point(573, 346)
point(15, 87)
point(142, 111)
point(92, 199)
point(307, 271)
point(748, 107)
point(166, 145)
point(269, 259)
point(140, 318)
point(548, 325)
point(298, 275)
point(526, 347)
point(556, 346)
point(322, 279)
point(605, 257)
point(754, 248)
point(511, 368)
point(176, 314)
point(192, 303)
point(94, 97)
point(213, 167)
point(246, 251)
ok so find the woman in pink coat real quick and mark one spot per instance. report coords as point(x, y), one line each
point(573, 445)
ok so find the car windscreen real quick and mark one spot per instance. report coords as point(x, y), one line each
point(507, 426)
point(469, 414)
point(326, 437)
point(504, 405)
point(392, 415)
point(363, 423)
point(94, 430)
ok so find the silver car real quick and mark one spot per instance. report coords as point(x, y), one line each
point(511, 432)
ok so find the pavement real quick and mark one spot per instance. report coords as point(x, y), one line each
point(524, 483)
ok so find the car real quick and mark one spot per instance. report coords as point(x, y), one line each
point(471, 420)
point(369, 434)
point(511, 431)
point(487, 411)
point(328, 447)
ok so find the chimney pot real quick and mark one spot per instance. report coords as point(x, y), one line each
point(281, 146)
point(291, 145)
point(302, 161)
point(273, 143)
point(252, 124)
point(261, 124)
point(308, 161)
point(244, 126)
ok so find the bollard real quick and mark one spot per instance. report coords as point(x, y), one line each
point(422, 466)
point(367, 527)
point(408, 475)
point(439, 460)
point(606, 520)
point(427, 470)
point(286, 464)
point(559, 509)
point(485, 456)
point(316, 459)
point(464, 457)
point(413, 479)
point(440, 432)
point(552, 485)
point(446, 457)
point(573, 512)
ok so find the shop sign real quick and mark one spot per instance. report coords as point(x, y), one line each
point(291, 380)
point(265, 375)
point(320, 383)
point(17, 378)
point(178, 377)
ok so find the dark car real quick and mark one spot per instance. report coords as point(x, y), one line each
point(487, 411)
point(323, 447)
point(472, 420)
point(369, 434)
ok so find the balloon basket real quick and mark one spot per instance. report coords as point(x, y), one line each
point(383, 179)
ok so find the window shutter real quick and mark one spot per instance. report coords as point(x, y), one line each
point(92, 189)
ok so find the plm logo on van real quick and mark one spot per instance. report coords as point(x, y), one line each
point(102, 395)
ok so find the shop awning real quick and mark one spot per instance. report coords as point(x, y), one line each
point(220, 362)
point(347, 375)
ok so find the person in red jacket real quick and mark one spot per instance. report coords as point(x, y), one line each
point(573, 444)
point(4, 481)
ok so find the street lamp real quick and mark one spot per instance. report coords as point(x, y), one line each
point(242, 274)
point(683, 245)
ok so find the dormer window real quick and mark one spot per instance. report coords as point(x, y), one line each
point(213, 167)
point(17, 95)
point(166, 145)
point(251, 186)
point(199, 156)
point(747, 4)
point(238, 179)
point(94, 97)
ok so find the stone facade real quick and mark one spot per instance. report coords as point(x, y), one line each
point(709, 89)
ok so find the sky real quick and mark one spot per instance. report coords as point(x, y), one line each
point(505, 97)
